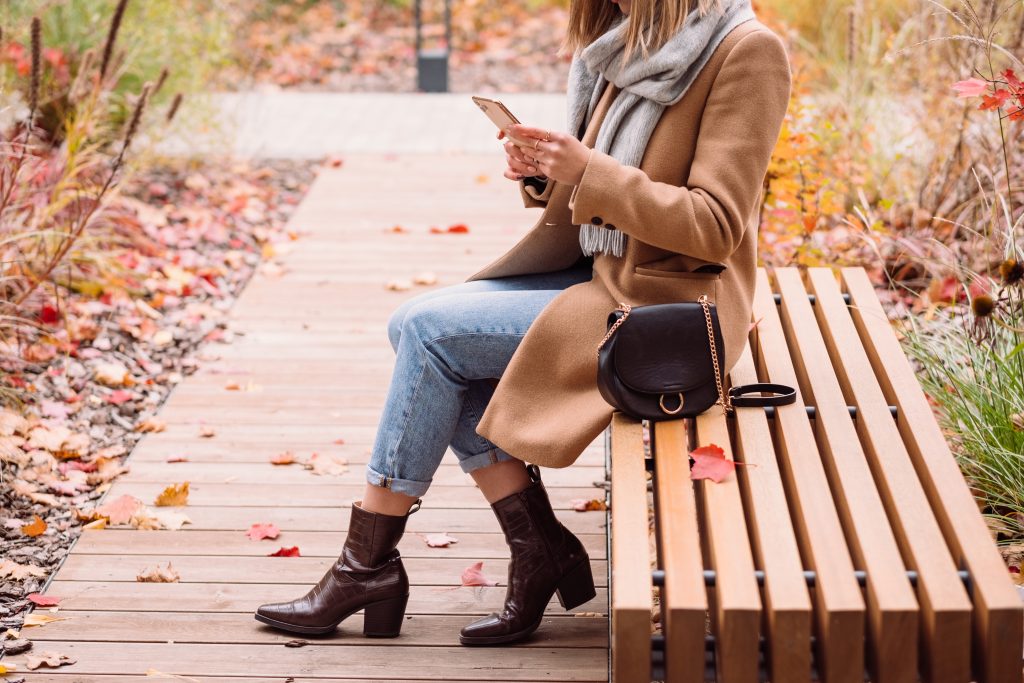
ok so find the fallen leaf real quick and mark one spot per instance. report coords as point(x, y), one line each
point(175, 494)
point(398, 285)
point(340, 442)
point(9, 569)
point(709, 462)
point(176, 458)
point(206, 432)
point(40, 619)
point(258, 532)
point(112, 374)
point(473, 576)
point(326, 465)
point(396, 229)
point(119, 396)
point(442, 540)
point(159, 574)
point(297, 643)
point(151, 425)
point(120, 510)
point(286, 552)
point(48, 659)
point(286, 458)
point(43, 600)
point(7, 669)
point(581, 505)
point(176, 677)
point(34, 528)
point(96, 525)
point(460, 228)
point(425, 278)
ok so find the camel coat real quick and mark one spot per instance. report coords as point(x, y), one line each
point(694, 199)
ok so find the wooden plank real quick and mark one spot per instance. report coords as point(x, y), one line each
point(335, 518)
point(246, 597)
point(462, 496)
point(423, 571)
point(477, 546)
point(838, 603)
point(945, 607)
point(736, 610)
point(893, 623)
point(631, 600)
point(786, 600)
point(448, 474)
point(556, 630)
point(376, 662)
point(684, 603)
point(998, 617)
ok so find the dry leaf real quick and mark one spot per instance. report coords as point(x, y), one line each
point(9, 569)
point(175, 494)
point(473, 576)
point(34, 528)
point(96, 525)
point(120, 510)
point(113, 374)
point(176, 458)
point(326, 465)
point(206, 432)
point(425, 278)
point(40, 619)
point(398, 285)
point(297, 643)
point(442, 540)
point(159, 574)
point(151, 425)
point(43, 600)
point(258, 532)
point(581, 505)
point(48, 659)
point(286, 458)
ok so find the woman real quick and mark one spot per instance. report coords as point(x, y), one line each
point(673, 115)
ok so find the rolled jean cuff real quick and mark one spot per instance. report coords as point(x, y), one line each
point(409, 487)
point(485, 459)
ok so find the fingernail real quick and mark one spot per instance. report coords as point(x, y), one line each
point(532, 169)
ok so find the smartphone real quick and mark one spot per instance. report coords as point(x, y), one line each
point(500, 115)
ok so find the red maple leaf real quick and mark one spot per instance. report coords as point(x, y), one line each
point(709, 462)
point(44, 600)
point(286, 552)
point(258, 532)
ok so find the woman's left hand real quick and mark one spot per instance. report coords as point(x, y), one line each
point(561, 157)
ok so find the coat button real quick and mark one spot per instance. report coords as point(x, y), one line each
point(609, 226)
point(596, 220)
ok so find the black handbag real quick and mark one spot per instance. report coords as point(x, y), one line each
point(666, 363)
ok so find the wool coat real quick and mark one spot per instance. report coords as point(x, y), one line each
point(694, 199)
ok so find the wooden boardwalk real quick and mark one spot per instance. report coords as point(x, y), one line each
point(313, 362)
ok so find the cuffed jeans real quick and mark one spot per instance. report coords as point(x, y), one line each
point(450, 343)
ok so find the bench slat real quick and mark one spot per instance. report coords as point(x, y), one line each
point(998, 626)
point(787, 603)
point(893, 622)
point(631, 599)
point(736, 604)
point(945, 607)
point(684, 601)
point(839, 603)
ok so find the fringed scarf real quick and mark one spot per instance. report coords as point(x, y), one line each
point(648, 87)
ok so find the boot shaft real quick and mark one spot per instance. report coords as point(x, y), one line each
point(373, 537)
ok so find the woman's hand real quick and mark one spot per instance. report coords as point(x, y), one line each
point(561, 156)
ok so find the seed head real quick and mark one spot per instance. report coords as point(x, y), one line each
point(1012, 271)
point(982, 306)
point(115, 26)
point(37, 49)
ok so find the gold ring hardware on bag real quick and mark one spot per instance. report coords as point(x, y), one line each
point(661, 403)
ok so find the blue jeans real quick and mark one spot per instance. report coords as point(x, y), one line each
point(450, 343)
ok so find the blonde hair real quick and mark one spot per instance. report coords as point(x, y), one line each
point(649, 24)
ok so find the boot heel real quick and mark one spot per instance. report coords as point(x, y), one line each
point(384, 619)
point(577, 586)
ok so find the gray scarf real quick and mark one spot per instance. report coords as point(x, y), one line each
point(648, 87)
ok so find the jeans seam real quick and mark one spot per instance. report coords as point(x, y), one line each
point(390, 462)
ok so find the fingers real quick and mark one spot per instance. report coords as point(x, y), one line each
point(520, 131)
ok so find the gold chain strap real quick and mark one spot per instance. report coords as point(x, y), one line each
point(626, 308)
point(723, 399)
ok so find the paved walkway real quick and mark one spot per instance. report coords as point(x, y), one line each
point(301, 125)
point(313, 362)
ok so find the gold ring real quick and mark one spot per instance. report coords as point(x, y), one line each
point(661, 403)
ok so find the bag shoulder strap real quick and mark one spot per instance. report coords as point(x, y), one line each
point(782, 395)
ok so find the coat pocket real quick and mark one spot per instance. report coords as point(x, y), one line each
point(664, 286)
point(682, 274)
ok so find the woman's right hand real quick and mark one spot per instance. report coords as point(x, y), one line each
point(519, 165)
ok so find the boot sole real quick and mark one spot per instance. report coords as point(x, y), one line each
point(373, 625)
point(575, 588)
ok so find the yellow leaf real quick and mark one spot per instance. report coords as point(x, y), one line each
point(40, 619)
point(100, 523)
point(175, 494)
point(34, 528)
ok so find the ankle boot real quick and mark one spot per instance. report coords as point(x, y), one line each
point(546, 559)
point(368, 575)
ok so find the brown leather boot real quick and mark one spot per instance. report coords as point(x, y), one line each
point(367, 576)
point(546, 559)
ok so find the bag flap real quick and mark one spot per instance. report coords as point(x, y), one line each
point(664, 348)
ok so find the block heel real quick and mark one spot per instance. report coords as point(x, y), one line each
point(384, 619)
point(577, 586)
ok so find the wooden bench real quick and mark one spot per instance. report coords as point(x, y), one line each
point(848, 547)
